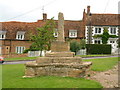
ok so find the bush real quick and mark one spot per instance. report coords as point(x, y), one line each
point(98, 49)
point(74, 46)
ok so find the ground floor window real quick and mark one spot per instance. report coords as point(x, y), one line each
point(97, 41)
point(112, 41)
point(20, 49)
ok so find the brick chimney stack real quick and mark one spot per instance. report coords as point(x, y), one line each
point(44, 16)
point(84, 15)
point(88, 10)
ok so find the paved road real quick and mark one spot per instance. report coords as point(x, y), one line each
point(23, 62)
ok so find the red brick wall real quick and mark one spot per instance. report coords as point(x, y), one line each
point(12, 49)
point(14, 55)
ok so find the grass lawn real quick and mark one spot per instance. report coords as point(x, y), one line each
point(103, 64)
point(20, 58)
point(12, 78)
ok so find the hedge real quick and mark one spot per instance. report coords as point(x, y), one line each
point(98, 49)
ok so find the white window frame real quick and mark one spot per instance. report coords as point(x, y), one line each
point(20, 35)
point(20, 49)
point(112, 41)
point(98, 39)
point(98, 30)
point(2, 34)
point(72, 33)
point(113, 30)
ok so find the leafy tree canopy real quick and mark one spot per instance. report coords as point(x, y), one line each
point(42, 40)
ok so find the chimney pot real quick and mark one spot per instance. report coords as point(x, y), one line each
point(88, 10)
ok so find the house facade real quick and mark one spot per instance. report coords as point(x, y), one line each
point(95, 25)
point(15, 36)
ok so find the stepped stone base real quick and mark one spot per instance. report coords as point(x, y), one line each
point(57, 64)
point(57, 69)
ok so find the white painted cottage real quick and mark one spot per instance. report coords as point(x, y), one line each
point(95, 24)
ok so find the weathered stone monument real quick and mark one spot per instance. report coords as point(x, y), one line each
point(60, 61)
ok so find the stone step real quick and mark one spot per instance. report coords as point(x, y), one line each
point(60, 54)
point(58, 69)
point(41, 60)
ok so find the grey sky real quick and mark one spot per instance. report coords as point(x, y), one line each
point(31, 10)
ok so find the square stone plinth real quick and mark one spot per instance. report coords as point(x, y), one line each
point(58, 46)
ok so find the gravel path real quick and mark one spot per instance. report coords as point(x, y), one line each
point(108, 79)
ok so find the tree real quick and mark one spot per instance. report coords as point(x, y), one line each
point(74, 46)
point(42, 40)
point(82, 44)
point(105, 36)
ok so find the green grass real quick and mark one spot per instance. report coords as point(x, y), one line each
point(12, 78)
point(93, 55)
point(20, 58)
point(103, 64)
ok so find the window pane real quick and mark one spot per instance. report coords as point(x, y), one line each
point(98, 41)
point(95, 42)
point(95, 30)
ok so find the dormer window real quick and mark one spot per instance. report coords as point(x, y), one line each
point(72, 33)
point(2, 34)
point(20, 35)
point(56, 33)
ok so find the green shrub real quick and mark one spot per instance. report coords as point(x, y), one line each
point(98, 49)
point(74, 46)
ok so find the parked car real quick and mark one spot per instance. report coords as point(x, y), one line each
point(1, 60)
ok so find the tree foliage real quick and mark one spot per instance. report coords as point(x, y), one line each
point(82, 44)
point(42, 40)
point(74, 46)
point(105, 36)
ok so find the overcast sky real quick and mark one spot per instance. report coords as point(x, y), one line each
point(31, 10)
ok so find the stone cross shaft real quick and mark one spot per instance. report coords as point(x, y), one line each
point(60, 27)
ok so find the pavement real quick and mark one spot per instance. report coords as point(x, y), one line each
point(108, 79)
point(25, 61)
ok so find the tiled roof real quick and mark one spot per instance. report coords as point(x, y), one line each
point(103, 19)
point(74, 25)
point(13, 27)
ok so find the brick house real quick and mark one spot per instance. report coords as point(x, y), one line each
point(95, 24)
point(14, 36)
